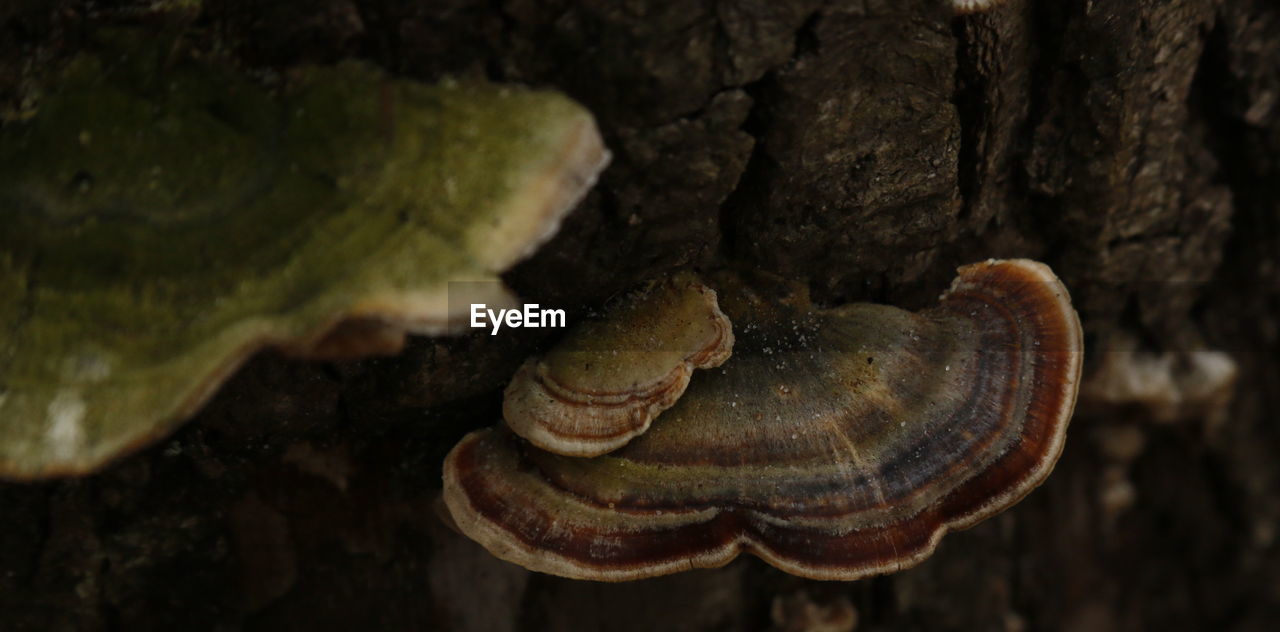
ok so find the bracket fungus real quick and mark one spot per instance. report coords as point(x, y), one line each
point(158, 225)
point(835, 443)
point(608, 378)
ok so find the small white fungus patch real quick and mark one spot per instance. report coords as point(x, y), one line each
point(970, 6)
point(65, 433)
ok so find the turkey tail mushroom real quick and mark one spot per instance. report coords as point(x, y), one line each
point(835, 443)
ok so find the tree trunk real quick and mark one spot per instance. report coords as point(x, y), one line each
point(866, 148)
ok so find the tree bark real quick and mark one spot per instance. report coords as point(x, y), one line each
point(866, 148)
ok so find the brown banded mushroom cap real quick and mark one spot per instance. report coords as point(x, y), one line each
point(836, 444)
point(160, 224)
point(608, 378)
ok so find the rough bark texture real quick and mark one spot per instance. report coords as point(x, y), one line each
point(865, 147)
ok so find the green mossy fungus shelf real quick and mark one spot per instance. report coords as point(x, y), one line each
point(159, 226)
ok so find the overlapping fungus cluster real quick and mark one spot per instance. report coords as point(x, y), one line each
point(834, 443)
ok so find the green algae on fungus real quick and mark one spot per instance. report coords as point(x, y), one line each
point(158, 227)
point(608, 378)
point(835, 443)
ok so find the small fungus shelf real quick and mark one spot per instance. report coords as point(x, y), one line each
point(608, 378)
